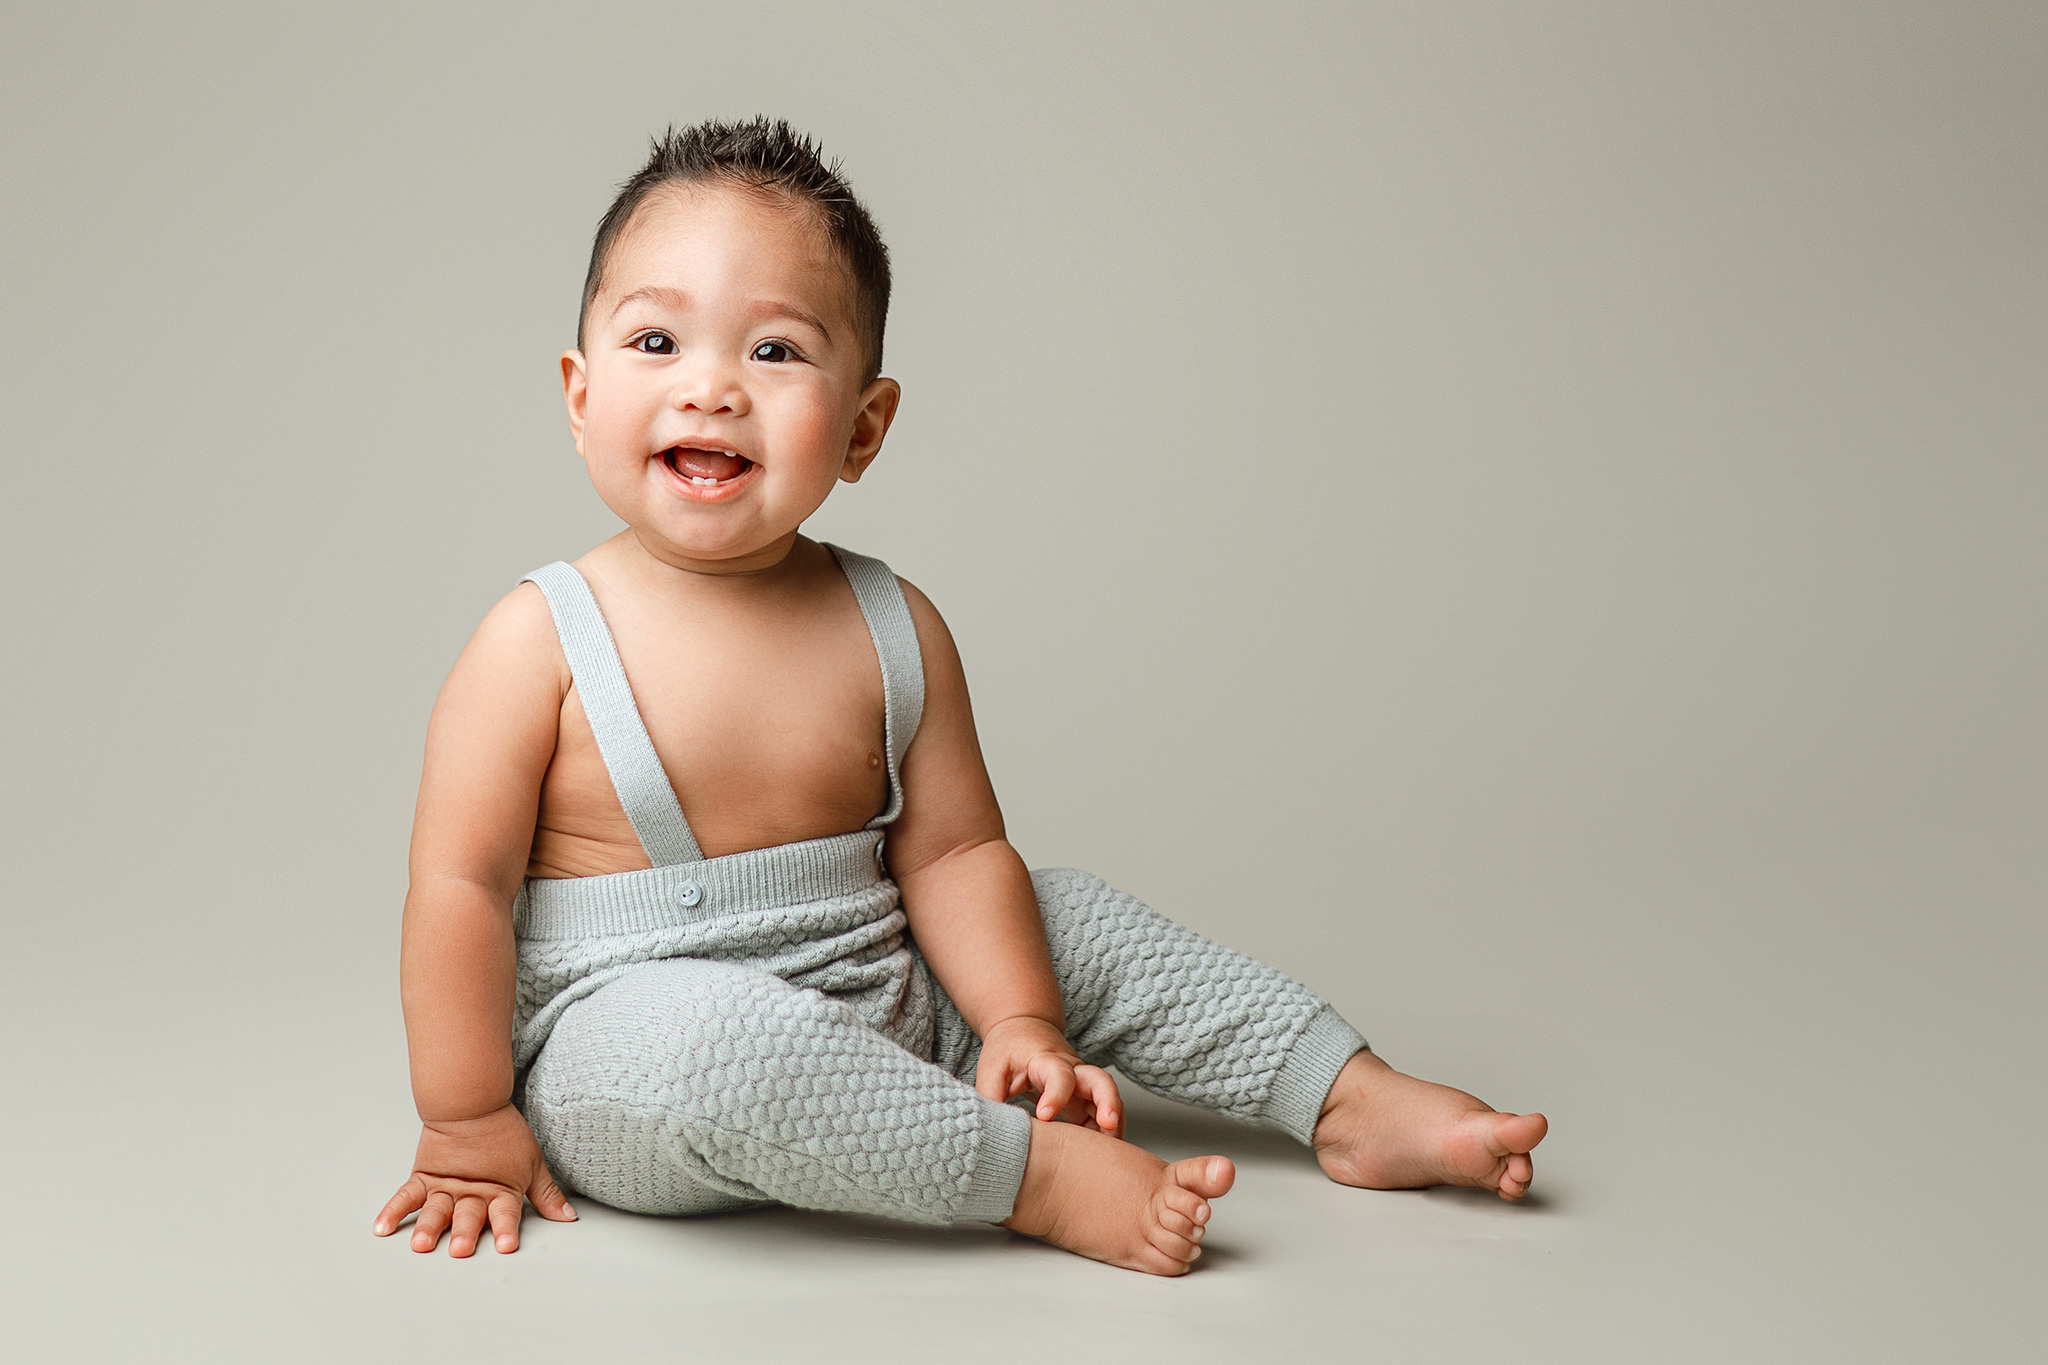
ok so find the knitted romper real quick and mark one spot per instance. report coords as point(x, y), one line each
point(710, 1033)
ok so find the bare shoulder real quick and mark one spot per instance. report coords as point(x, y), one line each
point(948, 803)
point(517, 638)
point(948, 722)
point(489, 743)
point(512, 672)
point(934, 640)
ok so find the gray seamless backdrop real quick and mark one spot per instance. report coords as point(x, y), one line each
point(1527, 517)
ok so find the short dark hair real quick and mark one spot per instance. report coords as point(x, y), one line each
point(770, 158)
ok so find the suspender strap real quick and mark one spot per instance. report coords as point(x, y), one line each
point(888, 617)
point(637, 776)
point(636, 771)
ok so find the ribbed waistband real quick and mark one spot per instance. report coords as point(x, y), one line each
point(684, 893)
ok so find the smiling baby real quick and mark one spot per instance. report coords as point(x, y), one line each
point(711, 904)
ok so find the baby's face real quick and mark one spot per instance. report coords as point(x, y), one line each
point(719, 393)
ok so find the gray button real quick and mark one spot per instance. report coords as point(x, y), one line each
point(689, 893)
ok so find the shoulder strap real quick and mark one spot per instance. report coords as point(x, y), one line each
point(636, 771)
point(895, 634)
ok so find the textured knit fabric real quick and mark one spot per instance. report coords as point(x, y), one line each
point(705, 1034)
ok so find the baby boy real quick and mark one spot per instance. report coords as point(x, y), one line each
point(711, 904)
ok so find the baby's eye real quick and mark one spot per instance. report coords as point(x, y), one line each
point(655, 343)
point(774, 352)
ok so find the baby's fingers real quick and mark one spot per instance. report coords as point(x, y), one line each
point(1055, 1086)
point(1100, 1091)
point(467, 1223)
point(505, 1213)
point(547, 1196)
point(410, 1196)
point(435, 1216)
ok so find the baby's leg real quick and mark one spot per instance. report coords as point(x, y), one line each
point(1197, 1022)
point(690, 1086)
point(1182, 1016)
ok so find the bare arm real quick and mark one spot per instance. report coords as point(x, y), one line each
point(970, 904)
point(488, 748)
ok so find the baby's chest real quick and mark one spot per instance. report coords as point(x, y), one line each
point(762, 699)
point(768, 735)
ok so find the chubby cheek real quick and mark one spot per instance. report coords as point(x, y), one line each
point(816, 434)
point(612, 413)
point(614, 450)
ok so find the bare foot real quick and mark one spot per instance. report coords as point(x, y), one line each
point(1106, 1199)
point(1386, 1131)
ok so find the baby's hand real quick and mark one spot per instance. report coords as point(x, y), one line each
point(471, 1171)
point(1024, 1054)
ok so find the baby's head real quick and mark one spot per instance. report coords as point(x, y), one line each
point(780, 167)
point(728, 354)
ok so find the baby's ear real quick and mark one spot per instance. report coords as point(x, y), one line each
point(575, 393)
point(870, 424)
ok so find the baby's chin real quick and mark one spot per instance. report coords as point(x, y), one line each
point(742, 545)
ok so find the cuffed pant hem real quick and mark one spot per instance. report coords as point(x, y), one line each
point(1295, 1100)
point(999, 1159)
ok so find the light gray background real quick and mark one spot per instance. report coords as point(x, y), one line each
point(1526, 516)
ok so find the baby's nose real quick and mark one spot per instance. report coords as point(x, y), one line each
point(709, 388)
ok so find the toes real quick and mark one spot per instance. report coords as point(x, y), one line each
point(1519, 1133)
point(1181, 1249)
point(1209, 1176)
point(1180, 1215)
point(1177, 1205)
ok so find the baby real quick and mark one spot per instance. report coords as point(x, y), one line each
point(711, 904)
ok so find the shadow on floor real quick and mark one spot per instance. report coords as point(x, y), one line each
point(1177, 1130)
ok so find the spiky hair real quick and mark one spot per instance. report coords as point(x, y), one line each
point(771, 158)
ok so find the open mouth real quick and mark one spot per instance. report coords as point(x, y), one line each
point(705, 466)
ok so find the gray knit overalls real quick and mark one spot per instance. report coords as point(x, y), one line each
point(710, 1033)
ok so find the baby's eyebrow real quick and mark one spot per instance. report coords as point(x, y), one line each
point(779, 309)
point(653, 293)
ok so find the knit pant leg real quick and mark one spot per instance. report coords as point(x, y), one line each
point(1182, 1016)
point(691, 1086)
